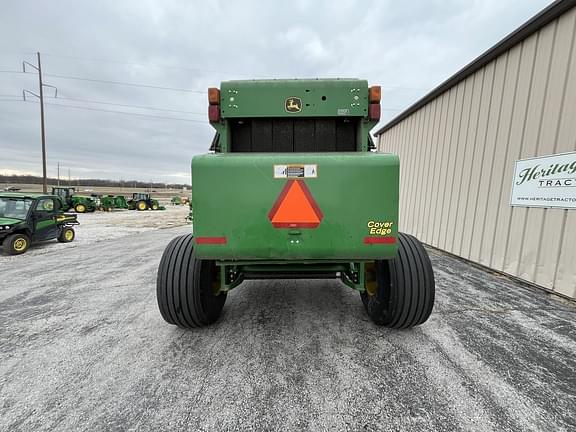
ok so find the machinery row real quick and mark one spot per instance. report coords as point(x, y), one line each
point(141, 201)
point(27, 218)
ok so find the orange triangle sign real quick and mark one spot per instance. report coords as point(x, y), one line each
point(295, 207)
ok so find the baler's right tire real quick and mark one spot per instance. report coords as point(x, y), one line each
point(404, 295)
point(185, 287)
point(80, 208)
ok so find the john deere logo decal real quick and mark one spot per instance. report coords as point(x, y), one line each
point(293, 104)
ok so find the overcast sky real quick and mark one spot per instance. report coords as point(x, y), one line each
point(407, 47)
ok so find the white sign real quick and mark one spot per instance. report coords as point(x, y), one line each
point(295, 171)
point(547, 181)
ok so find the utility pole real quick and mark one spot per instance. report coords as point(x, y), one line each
point(58, 174)
point(40, 96)
point(69, 183)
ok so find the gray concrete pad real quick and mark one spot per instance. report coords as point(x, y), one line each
point(83, 347)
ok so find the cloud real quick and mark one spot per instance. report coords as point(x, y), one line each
point(407, 47)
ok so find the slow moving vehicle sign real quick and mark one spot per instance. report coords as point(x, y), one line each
point(295, 207)
point(547, 181)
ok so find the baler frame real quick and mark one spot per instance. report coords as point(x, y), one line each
point(286, 146)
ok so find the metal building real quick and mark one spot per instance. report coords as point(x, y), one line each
point(458, 146)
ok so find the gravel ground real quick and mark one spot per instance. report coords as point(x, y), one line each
point(83, 347)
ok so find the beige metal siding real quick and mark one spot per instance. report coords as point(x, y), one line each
point(457, 158)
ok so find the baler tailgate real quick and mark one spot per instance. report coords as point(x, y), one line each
point(338, 206)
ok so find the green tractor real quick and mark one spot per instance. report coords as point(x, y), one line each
point(190, 217)
point(143, 201)
point(71, 201)
point(29, 218)
point(293, 190)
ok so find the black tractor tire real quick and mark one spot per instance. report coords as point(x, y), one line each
point(67, 235)
point(155, 206)
point(141, 205)
point(405, 290)
point(80, 208)
point(16, 244)
point(184, 287)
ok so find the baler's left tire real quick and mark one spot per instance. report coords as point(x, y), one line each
point(185, 287)
point(404, 295)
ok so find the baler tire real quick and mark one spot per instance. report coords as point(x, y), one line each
point(406, 288)
point(80, 208)
point(184, 286)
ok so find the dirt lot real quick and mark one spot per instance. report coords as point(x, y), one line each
point(83, 347)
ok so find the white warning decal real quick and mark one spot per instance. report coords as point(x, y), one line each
point(295, 171)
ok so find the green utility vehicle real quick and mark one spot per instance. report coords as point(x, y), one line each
point(143, 201)
point(293, 190)
point(78, 203)
point(30, 218)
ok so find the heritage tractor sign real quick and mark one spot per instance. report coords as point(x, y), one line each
point(548, 181)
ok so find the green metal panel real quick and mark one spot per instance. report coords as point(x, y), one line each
point(319, 98)
point(9, 221)
point(43, 224)
point(233, 194)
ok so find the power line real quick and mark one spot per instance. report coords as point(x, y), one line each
point(176, 88)
point(38, 68)
point(17, 97)
point(129, 105)
point(121, 112)
point(404, 88)
point(16, 53)
point(100, 60)
point(126, 83)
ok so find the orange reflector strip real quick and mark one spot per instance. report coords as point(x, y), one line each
point(210, 240)
point(295, 207)
point(379, 240)
point(214, 96)
point(374, 94)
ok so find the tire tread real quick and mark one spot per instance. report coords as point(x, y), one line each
point(411, 287)
point(183, 286)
